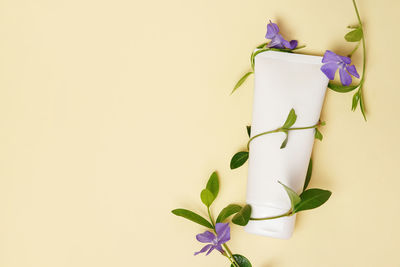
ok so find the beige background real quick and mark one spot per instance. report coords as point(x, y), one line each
point(112, 113)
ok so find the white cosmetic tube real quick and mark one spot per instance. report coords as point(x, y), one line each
point(282, 81)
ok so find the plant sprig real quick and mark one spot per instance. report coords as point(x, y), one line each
point(307, 200)
point(260, 49)
point(355, 35)
point(208, 196)
point(241, 157)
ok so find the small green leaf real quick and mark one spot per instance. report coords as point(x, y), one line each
point(362, 105)
point(243, 216)
point(239, 159)
point(190, 215)
point(294, 198)
point(356, 98)
point(312, 198)
point(241, 260)
point(213, 184)
point(308, 175)
point(284, 143)
point(318, 135)
point(207, 197)
point(228, 211)
point(248, 130)
point(299, 47)
point(241, 81)
point(262, 45)
point(354, 36)
point(290, 120)
point(341, 88)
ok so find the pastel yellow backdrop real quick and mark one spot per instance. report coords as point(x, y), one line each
point(113, 113)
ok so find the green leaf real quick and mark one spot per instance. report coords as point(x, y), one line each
point(228, 211)
point(284, 143)
point(213, 184)
point(241, 81)
point(341, 88)
point(243, 216)
point(312, 198)
point(356, 99)
point(354, 35)
point(241, 260)
point(362, 105)
point(248, 130)
point(190, 215)
point(294, 198)
point(318, 135)
point(308, 175)
point(239, 159)
point(290, 120)
point(262, 45)
point(207, 197)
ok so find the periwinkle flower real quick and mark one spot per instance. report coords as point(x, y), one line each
point(333, 62)
point(223, 235)
point(277, 41)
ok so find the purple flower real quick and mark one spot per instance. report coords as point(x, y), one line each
point(223, 236)
point(277, 40)
point(333, 62)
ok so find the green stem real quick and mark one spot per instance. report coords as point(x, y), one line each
point(264, 49)
point(280, 129)
point(364, 61)
point(211, 219)
point(264, 133)
point(289, 213)
point(230, 255)
point(354, 50)
point(233, 262)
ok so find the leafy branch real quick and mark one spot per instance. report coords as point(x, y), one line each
point(260, 49)
point(355, 35)
point(308, 199)
point(242, 156)
point(208, 196)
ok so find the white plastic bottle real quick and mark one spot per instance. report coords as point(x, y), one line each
point(282, 81)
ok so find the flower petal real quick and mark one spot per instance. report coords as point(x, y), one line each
point(293, 44)
point(345, 78)
point(211, 249)
point(223, 232)
point(329, 69)
point(206, 237)
point(272, 30)
point(276, 42)
point(204, 249)
point(219, 248)
point(352, 70)
point(330, 56)
point(290, 45)
point(346, 60)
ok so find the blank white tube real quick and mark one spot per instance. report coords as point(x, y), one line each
point(282, 81)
